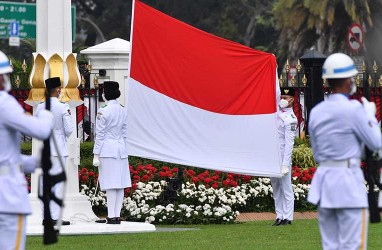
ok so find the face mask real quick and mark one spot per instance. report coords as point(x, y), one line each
point(283, 103)
point(104, 98)
point(7, 83)
point(353, 89)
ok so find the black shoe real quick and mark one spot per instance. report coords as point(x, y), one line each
point(101, 221)
point(114, 220)
point(277, 222)
point(63, 223)
point(286, 222)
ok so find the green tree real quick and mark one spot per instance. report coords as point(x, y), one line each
point(321, 24)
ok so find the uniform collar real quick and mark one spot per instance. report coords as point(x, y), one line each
point(284, 110)
point(338, 97)
point(114, 101)
point(53, 99)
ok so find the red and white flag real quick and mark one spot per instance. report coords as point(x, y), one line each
point(200, 100)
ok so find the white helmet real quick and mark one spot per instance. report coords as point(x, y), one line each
point(338, 65)
point(5, 66)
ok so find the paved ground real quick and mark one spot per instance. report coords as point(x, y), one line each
point(271, 216)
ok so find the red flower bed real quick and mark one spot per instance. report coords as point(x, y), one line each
point(304, 176)
point(209, 178)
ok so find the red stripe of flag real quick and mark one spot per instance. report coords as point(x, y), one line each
point(199, 69)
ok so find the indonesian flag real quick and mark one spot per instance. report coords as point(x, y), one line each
point(200, 100)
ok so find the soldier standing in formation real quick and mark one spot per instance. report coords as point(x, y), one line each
point(282, 187)
point(14, 200)
point(63, 128)
point(339, 128)
point(110, 152)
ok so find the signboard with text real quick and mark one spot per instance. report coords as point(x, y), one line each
point(25, 15)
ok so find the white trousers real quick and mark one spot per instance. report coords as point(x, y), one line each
point(114, 202)
point(283, 196)
point(343, 229)
point(12, 231)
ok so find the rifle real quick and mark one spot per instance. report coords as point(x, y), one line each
point(373, 165)
point(48, 181)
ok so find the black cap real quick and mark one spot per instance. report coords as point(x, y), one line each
point(111, 90)
point(52, 83)
point(287, 91)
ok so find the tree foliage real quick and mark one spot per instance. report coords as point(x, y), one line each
point(284, 27)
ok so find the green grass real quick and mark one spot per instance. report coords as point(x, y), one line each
point(303, 234)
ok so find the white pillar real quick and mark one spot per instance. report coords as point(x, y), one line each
point(54, 36)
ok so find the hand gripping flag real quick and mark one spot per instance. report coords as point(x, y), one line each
point(200, 100)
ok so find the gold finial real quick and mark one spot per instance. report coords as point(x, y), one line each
point(370, 80)
point(287, 66)
point(324, 82)
point(95, 81)
point(375, 67)
point(17, 81)
point(358, 81)
point(83, 81)
point(298, 66)
point(24, 66)
point(89, 67)
point(281, 80)
point(363, 67)
point(380, 81)
point(304, 80)
point(293, 80)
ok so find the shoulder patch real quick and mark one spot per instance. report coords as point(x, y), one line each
point(293, 127)
point(99, 114)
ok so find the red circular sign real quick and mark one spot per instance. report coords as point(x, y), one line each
point(355, 37)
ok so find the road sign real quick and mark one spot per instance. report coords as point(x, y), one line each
point(14, 41)
point(14, 29)
point(25, 15)
point(355, 37)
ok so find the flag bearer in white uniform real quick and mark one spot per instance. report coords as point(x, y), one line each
point(63, 128)
point(339, 128)
point(14, 203)
point(110, 152)
point(282, 187)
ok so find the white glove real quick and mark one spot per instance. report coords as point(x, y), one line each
point(38, 155)
point(369, 107)
point(47, 115)
point(284, 170)
point(96, 161)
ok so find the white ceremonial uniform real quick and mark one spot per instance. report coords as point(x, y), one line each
point(14, 200)
point(110, 145)
point(63, 128)
point(339, 128)
point(282, 187)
